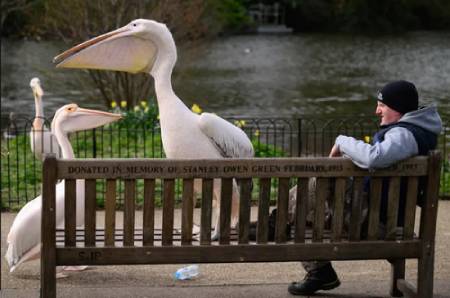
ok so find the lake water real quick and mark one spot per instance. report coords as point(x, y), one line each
point(257, 75)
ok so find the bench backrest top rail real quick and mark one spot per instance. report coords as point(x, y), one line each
point(229, 168)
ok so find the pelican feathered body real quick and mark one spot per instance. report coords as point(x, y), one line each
point(24, 236)
point(148, 46)
point(42, 141)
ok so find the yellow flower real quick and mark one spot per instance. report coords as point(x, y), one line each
point(157, 117)
point(146, 109)
point(123, 103)
point(137, 108)
point(143, 103)
point(257, 133)
point(196, 109)
point(239, 123)
point(113, 104)
point(367, 139)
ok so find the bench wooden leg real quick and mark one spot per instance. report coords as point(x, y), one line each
point(48, 281)
point(425, 275)
point(397, 272)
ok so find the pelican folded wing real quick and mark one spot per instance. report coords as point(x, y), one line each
point(230, 140)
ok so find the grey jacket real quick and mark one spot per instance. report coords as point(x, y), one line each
point(398, 144)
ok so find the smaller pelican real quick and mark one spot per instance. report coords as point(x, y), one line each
point(41, 139)
point(24, 238)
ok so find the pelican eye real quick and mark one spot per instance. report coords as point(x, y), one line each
point(134, 24)
point(71, 109)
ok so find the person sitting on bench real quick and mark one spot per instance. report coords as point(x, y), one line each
point(405, 131)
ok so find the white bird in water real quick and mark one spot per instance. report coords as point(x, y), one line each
point(148, 46)
point(41, 139)
point(24, 238)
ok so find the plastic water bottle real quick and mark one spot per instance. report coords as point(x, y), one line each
point(188, 272)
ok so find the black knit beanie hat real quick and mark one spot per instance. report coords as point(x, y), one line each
point(401, 96)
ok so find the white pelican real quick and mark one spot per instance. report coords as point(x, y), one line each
point(148, 46)
point(25, 234)
point(41, 139)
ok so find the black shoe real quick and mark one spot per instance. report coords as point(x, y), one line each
point(324, 278)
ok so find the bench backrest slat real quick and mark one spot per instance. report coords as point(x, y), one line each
point(69, 212)
point(392, 208)
point(187, 211)
point(322, 191)
point(338, 209)
point(206, 209)
point(89, 214)
point(245, 191)
point(148, 220)
point(263, 210)
point(301, 210)
point(282, 210)
point(226, 193)
point(168, 209)
point(128, 214)
point(110, 212)
point(410, 208)
point(374, 208)
point(356, 209)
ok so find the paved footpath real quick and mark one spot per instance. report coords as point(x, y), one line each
point(359, 278)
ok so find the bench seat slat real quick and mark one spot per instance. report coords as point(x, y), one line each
point(176, 234)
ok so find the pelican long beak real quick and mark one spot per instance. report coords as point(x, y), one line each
point(119, 50)
point(83, 119)
point(37, 91)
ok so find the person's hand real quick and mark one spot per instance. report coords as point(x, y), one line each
point(335, 152)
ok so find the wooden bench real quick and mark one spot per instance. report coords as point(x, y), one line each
point(146, 245)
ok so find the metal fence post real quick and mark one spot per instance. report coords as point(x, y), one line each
point(299, 137)
point(94, 144)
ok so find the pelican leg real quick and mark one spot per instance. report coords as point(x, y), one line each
point(235, 205)
point(216, 213)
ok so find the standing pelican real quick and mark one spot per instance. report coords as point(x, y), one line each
point(148, 46)
point(41, 139)
point(25, 235)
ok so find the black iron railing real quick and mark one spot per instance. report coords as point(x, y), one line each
point(275, 137)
